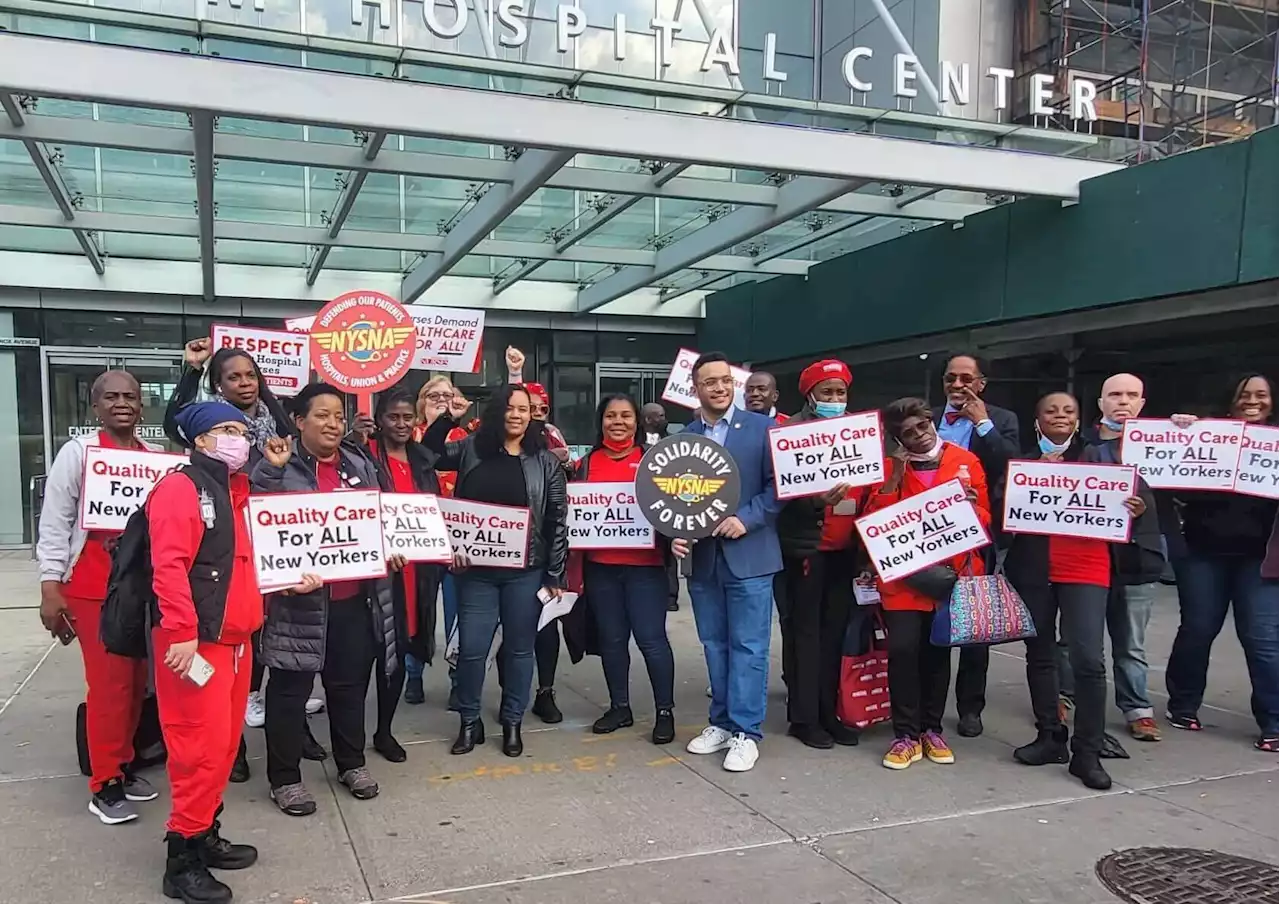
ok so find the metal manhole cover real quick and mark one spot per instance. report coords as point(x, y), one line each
point(1157, 875)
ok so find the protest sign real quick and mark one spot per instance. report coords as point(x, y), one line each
point(1200, 457)
point(447, 338)
point(413, 527)
point(284, 358)
point(337, 536)
point(1258, 471)
point(679, 388)
point(1069, 499)
point(606, 515)
point(921, 530)
point(362, 342)
point(117, 482)
point(491, 535)
point(811, 457)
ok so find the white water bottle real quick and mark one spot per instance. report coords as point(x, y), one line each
point(962, 475)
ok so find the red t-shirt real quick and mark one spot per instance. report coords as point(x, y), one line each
point(327, 480)
point(1079, 560)
point(837, 530)
point(402, 482)
point(602, 468)
point(92, 571)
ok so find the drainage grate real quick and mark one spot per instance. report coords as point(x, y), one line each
point(1188, 876)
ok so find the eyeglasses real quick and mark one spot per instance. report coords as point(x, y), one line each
point(540, 409)
point(965, 379)
point(713, 382)
point(228, 430)
point(439, 396)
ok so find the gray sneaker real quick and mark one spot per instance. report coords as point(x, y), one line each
point(110, 805)
point(137, 788)
point(294, 800)
point(360, 783)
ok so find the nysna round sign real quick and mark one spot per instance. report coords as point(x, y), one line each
point(362, 342)
point(686, 485)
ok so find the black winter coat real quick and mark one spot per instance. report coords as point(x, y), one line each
point(544, 481)
point(293, 636)
point(427, 577)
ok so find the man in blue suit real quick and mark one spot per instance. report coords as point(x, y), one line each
point(732, 582)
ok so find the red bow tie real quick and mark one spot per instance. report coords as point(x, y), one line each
point(952, 416)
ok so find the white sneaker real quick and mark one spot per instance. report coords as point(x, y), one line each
point(712, 740)
point(742, 754)
point(314, 705)
point(255, 714)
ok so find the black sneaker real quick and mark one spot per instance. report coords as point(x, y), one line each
point(311, 749)
point(1088, 768)
point(814, 736)
point(186, 877)
point(617, 717)
point(664, 727)
point(1050, 746)
point(1186, 723)
point(844, 735)
point(544, 707)
point(137, 788)
point(969, 726)
point(111, 806)
point(413, 691)
point(218, 853)
point(389, 747)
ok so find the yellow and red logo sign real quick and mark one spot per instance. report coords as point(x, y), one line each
point(362, 342)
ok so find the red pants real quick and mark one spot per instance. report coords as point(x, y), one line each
point(113, 704)
point(202, 728)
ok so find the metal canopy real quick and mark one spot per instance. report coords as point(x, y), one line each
point(604, 159)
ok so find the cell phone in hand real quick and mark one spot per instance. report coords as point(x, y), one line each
point(66, 631)
point(200, 671)
point(544, 595)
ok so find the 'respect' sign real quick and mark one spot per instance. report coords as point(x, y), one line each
point(606, 515)
point(1200, 457)
point(811, 457)
point(117, 483)
point(1069, 499)
point(337, 536)
point(284, 358)
point(496, 536)
point(413, 527)
point(362, 342)
point(679, 389)
point(921, 530)
point(1258, 472)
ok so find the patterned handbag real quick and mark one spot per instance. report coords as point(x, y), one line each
point(983, 610)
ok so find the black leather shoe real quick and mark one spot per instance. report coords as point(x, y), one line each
point(844, 735)
point(240, 768)
point(544, 707)
point(469, 735)
point(218, 853)
point(389, 747)
point(511, 743)
point(1048, 747)
point(311, 749)
point(1088, 768)
point(664, 727)
point(969, 726)
point(814, 736)
point(617, 717)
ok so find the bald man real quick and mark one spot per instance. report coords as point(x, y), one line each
point(1136, 566)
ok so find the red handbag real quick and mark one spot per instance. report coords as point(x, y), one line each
point(864, 684)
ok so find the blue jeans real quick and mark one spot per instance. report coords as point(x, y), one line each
point(735, 619)
point(1207, 586)
point(413, 666)
point(627, 601)
point(487, 596)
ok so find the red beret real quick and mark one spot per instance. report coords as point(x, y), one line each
point(830, 369)
point(537, 389)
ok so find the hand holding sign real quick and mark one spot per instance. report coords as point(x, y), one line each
point(811, 458)
point(921, 530)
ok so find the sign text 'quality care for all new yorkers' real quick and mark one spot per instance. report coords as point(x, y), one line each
point(337, 536)
point(811, 457)
point(413, 527)
point(117, 482)
point(490, 535)
point(1202, 456)
point(1258, 473)
point(605, 515)
point(921, 530)
point(1069, 499)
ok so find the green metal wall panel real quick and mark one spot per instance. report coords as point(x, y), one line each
point(1259, 237)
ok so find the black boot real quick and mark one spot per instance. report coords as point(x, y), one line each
point(218, 853)
point(1088, 768)
point(469, 735)
point(413, 691)
point(617, 717)
point(240, 768)
point(664, 727)
point(511, 743)
point(1050, 746)
point(186, 877)
point(544, 707)
point(311, 749)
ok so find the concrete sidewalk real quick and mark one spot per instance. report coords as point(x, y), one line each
point(583, 819)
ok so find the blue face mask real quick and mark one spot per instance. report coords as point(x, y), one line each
point(829, 409)
point(1111, 425)
point(1049, 447)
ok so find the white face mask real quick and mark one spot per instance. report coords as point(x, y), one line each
point(931, 455)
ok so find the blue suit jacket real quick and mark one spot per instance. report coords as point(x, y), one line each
point(757, 553)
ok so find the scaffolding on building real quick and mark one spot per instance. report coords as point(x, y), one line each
point(1171, 74)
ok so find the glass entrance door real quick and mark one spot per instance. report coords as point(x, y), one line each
point(69, 375)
